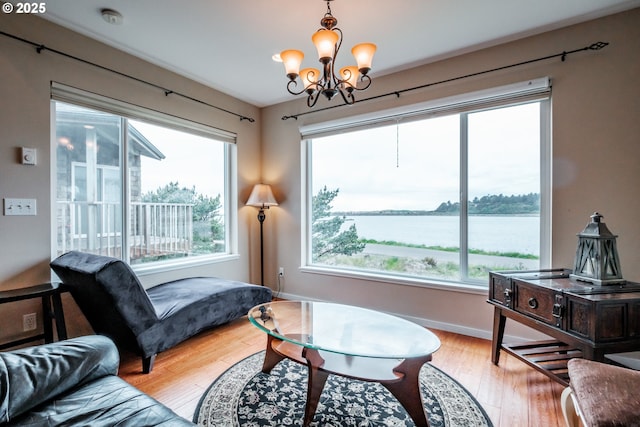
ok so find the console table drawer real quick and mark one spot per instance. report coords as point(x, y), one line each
point(500, 290)
point(534, 301)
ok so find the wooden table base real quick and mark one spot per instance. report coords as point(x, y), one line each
point(399, 376)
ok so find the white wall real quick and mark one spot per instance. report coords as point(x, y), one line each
point(596, 149)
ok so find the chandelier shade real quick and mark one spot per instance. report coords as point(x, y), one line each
point(325, 42)
point(328, 81)
point(309, 77)
point(292, 59)
point(363, 53)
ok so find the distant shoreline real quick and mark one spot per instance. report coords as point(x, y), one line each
point(421, 213)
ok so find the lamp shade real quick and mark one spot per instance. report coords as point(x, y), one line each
point(363, 53)
point(261, 196)
point(325, 42)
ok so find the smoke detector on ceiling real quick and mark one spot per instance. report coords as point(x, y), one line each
point(111, 16)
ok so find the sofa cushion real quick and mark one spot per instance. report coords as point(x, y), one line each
point(106, 401)
point(607, 395)
point(33, 375)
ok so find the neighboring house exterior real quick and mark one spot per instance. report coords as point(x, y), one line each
point(88, 188)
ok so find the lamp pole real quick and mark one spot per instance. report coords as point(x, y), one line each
point(261, 218)
point(261, 197)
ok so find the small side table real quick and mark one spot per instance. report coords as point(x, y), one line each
point(630, 359)
point(51, 310)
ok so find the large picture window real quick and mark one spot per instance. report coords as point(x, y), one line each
point(446, 197)
point(138, 190)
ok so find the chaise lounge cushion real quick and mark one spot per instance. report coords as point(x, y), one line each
point(150, 321)
point(74, 382)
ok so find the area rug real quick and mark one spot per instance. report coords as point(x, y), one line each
point(245, 397)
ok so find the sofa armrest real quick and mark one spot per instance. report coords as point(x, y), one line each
point(33, 375)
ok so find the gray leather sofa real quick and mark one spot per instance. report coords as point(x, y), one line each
point(150, 321)
point(74, 382)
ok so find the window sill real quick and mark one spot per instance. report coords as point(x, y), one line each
point(396, 280)
point(161, 267)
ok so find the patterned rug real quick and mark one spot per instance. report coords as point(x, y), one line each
point(244, 396)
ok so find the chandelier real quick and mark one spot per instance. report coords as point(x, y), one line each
point(328, 40)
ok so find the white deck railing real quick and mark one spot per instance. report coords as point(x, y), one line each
point(156, 228)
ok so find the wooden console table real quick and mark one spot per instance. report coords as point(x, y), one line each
point(583, 319)
point(52, 312)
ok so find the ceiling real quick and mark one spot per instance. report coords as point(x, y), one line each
point(228, 44)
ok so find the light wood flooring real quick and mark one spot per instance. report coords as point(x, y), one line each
point(512, 393)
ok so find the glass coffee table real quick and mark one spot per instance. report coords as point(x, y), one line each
point(349, 341)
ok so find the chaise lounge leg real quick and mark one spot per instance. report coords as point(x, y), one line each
point(147, 364)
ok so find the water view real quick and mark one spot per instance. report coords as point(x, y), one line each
point(508, 233)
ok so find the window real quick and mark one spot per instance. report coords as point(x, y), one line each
point(165, 200)
point(445, 195)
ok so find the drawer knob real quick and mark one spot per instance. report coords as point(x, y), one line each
point(533, 303)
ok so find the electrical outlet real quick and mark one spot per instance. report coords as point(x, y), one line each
point(29, 322)
point(281, 272)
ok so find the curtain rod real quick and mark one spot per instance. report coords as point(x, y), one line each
point(40, 47)
point(564, 54)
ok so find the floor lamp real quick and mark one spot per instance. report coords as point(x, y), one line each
point(262, 197)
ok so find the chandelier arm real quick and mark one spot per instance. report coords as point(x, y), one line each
point(334, 78)
point(293, 83)
point(311, 99)
point(366, 79)
point(348, 98)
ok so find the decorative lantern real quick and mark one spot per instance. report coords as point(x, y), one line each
point(597, 257)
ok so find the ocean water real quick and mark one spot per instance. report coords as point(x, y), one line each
point(490, 233)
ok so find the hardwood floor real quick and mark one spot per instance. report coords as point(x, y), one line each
point(512, 393)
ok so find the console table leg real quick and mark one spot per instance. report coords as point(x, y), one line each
point(499, 321)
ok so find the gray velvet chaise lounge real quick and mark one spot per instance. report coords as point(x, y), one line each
point(150, 321)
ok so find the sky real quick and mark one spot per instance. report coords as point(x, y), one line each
point(411, 165)
point(190, 160)
point(416, 165)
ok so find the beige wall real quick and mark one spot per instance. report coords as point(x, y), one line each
point(596, 106)
point(596, 150)
point(25, 121)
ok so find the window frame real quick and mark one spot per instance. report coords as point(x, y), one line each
point(537, 90)
point(126, 112)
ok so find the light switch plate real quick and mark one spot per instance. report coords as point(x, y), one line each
point(19, 207)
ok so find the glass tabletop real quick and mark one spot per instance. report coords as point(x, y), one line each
point(344, 329)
